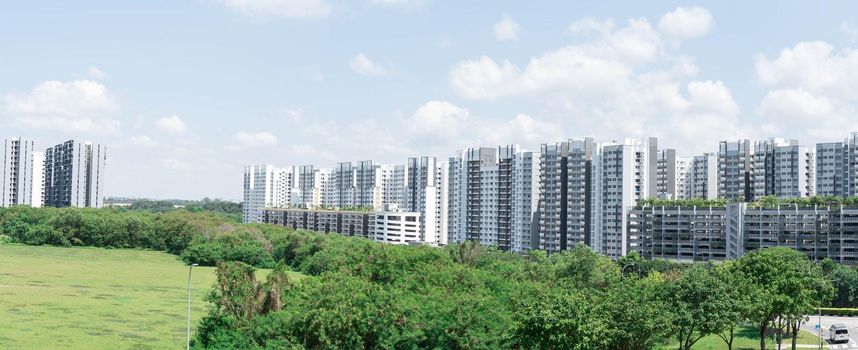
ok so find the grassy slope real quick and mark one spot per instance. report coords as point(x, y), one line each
point(746, 339)
point(90, 298)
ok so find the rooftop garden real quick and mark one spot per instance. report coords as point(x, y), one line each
point(765, 202)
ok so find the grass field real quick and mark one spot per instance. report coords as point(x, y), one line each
point(91, 298)
point(746, 339)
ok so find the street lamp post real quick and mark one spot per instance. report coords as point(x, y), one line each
point(190, 269)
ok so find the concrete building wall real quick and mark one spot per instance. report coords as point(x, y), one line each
point(735, 170)
point(74, 174)
point(17, 174)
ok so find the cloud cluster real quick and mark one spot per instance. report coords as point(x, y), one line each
point(362, 65)
point(615, 81)
point(686, 22)
point(810, 84)
point(78, 106)
point(507, 29)
point(172, 124)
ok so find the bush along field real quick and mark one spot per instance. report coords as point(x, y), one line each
point(367, 295)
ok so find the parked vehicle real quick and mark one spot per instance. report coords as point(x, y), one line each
point(838, 333)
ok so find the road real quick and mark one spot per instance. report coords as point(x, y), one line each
point(827, 321)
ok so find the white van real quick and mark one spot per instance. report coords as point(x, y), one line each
point(838, 334)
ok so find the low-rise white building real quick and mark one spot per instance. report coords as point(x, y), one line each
point(397, 227)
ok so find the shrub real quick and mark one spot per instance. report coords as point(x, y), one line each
point(839, 312)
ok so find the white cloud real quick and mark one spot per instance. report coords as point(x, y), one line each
point(299, 9)
point(794, 103)
point(142, 141)
point(813, 88)
point(814, 66)
point(614, 82)
point(362, 65)
point(587, 69)
point(506, 29)
point(172, 124)
point(522, 129)
point(591, 25)
point(254, 139)
point(294, 115)
point(437, 120)
point(686, 22)
point(95, 73)
point(80, 105)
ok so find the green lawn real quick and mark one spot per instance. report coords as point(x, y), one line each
point(746, 339)
point(91, 298)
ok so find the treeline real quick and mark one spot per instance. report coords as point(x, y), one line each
point(200, 237)
point(371, 296)
point(231, 209)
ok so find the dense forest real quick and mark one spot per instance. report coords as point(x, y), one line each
point(466, 296)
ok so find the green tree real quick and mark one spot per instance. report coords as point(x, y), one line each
point(700, 304)
point(639, 318)
point(785, 286)
point(583, 268)
point(737, 298)
point(560, 321)
point(845, 280)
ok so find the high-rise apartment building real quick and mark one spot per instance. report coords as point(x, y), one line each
point(566, 194)
point(266, 186)
point(423, 194)
point(74, 174)
point(683, 177)
point(480, 195)
point(783, 169)
point(317, 187)
point(366, 182)
point(625, 174)
point(830, 168)
point(735, 170)
point(455, 200)
point(19, 176)
point(837, 167)
point(671, 175)
point(38, 192)
point(492, 195)
point(525, 201)
point(344, 184)
point(703, 177)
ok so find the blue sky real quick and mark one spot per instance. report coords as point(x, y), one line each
point(187, 92)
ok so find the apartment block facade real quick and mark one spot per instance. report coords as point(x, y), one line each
point(20, 177)
point(266, 186)
point(703, 177)
point(735, 170)
point(720, 233)
point(837, 167)
point(566, 194)
point(74, 175)
point(583, 192)
point(783, 169)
